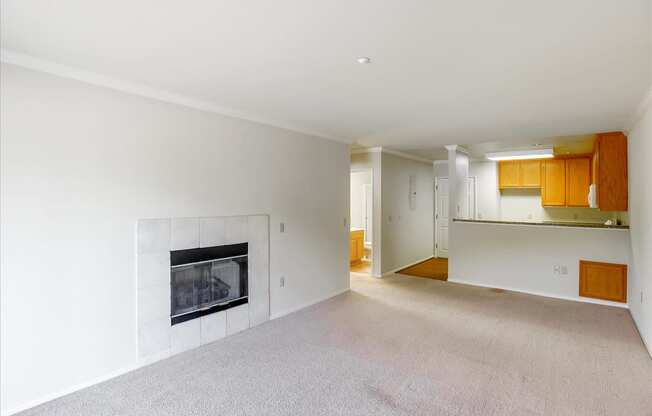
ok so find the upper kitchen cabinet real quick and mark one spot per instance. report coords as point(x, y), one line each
point(553, 183)
point(519, 174)
point(578, 180)
point(610, 171)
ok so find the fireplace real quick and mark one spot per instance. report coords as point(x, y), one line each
point(207, 280)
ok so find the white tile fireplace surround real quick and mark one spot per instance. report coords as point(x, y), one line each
point(157, 337)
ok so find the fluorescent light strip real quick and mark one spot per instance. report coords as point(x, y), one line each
point(521, 155)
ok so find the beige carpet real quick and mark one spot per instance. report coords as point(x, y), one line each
point(400, 346)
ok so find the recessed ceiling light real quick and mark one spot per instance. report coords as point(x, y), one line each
point(364, 60)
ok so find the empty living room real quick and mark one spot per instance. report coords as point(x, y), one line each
point(326, 208)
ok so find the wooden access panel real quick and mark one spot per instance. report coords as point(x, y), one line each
point(606, 281)
point(530, 173)
point(553, 182)
point(578, 180)
point(508, 174)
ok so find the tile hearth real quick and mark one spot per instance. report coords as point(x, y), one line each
point(157, 338)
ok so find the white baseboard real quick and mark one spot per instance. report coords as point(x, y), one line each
point(141, 363)
point(405, 266)
point(112, 374)
point(309, 303)
point(648, 347)
point(546, 295)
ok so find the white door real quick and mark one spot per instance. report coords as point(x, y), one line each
point(441, 217)
point(368, 203)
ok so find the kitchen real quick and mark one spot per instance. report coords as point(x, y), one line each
point(547, 218)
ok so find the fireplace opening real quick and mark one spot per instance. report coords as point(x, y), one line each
point(207, 280)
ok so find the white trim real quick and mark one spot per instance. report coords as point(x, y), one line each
point(65, 71)
point(96, 380)
point(404, 267)
point(406, 155)
point(439, 162)
point(546, 295)
point(379, 149)
point(366, 150)
point(640, 334)
point(309, 303)
point(141, 363)
point(639, 111)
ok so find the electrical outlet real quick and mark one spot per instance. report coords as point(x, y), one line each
point(641, 296)
point(282, 281)
point(560, 269)
point(282, 227)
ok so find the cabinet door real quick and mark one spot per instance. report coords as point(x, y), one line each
point(508, 174)
point(530, 173)
point(603, 280)
point(553, 183)
point(612, 171)
point(578, 179)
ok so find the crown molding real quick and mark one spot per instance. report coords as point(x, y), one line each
point(405, 155)
point(439, 162)
point(380, 149)
point(93, 78)
point(640, 111)
point(366, 150)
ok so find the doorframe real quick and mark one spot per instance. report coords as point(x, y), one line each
point(475, 197)
point(434, 214)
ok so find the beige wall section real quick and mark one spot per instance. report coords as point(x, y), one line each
point(365, 161)
point(407, 234)
point(81, 164)
point(639, 143)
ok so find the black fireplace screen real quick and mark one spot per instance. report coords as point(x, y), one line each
point(207, 280)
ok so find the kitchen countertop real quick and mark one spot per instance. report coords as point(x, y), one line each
point(549, 223)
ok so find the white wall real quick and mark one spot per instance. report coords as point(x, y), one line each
point(406, 234)
point(522, 257)
point(487, 194)
point(358, 180)
point(639, 142)
point(372, 161)
point(80, 164)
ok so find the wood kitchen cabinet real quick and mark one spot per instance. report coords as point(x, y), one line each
point(519, 174)
point(609, 175)
point(578, 180)
point(553, 183)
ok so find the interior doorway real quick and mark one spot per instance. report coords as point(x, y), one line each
point(360, 242)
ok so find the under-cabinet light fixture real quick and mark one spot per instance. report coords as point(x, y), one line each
point(521, 154)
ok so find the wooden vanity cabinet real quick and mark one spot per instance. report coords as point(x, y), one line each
point(356, 246)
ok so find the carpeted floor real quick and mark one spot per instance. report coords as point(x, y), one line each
point(399, 346)
point(434, 268)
